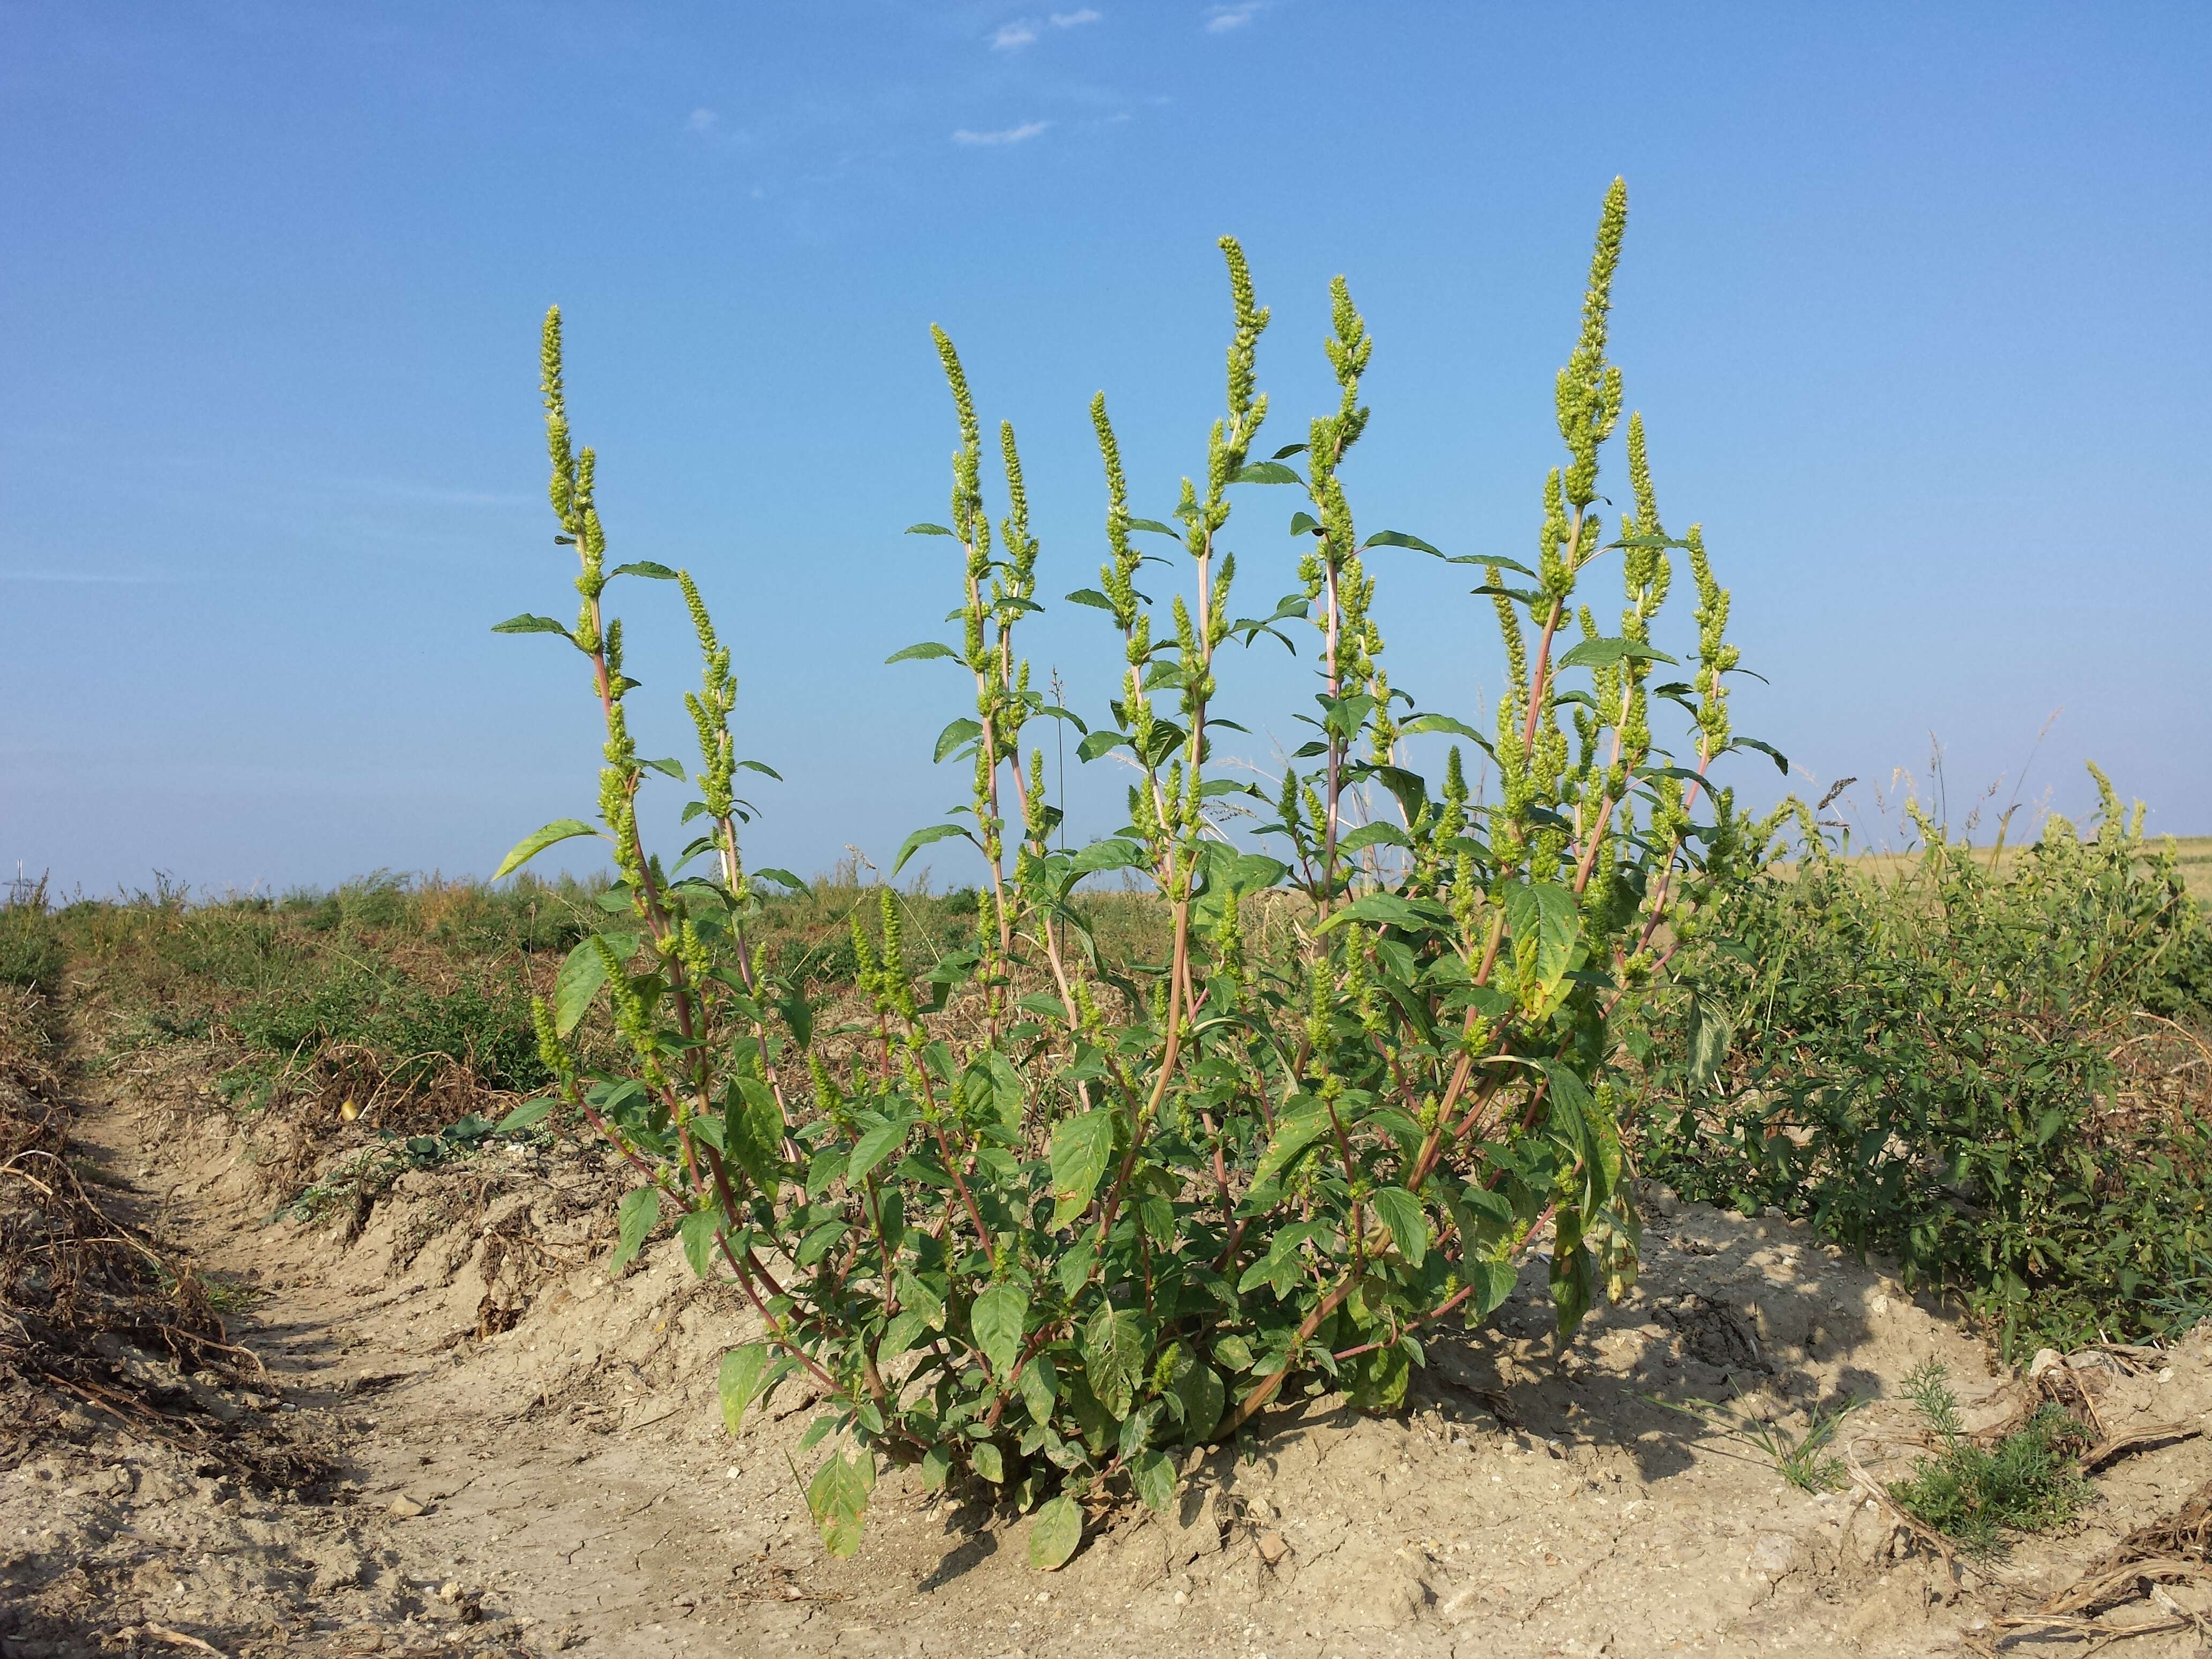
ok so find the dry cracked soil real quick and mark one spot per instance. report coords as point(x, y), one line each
point(527, 1457)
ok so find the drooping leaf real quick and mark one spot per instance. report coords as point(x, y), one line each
point(987, 1461)
point(1545, 926)
point(659, 573)
point(582, 972)
point(1081, 1146)
point(526, 624)
point(1154, 1476)
point(697, 1231)
point(1056, 1533)
point(1401, 1211)
point(539, 840)
point(634, 1218)
point(744, 1373)
point(753, 1126)
point(1601, 654)
point(998, 1320)
point(927, 649)
point(921, 838)
point(838, 1496)
point(1114, 1358)
point(1400, 538)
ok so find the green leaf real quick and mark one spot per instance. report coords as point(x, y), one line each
point(1111, 854)
point(525, 1114)
point(1040, 1385)
point(670, 768)
point(927, 530)
point(753, 1124)
point(781, 879)
point(954, 735)
point(874, 1147)
point(1295, 1130)
point(1369, 835)
point(1421, 723)
point(1056, 1533)
point(1203, 1398)
point(1304, 524)
point(987, 1461)
point(1114, 1358)
point(744, 1374)
point(659, 573)
point(1270, 473)
point(1400, 538)
point(936, 1466)
point(1401, 1211)
point(697, 1231)
point(838, 1496)
point(634, 1218)
point(1098, 742)
point(539, 840)
point(1780, 761)
point(1389, 910)
point(526, 624)
point(927, 649)
point(1153, 1472)
point(998, 1320)
point(1546, 928)
point(1092, 596)
point(1493, 1282)
point(1081, 1146)
point(921, 838)
point(1601, 654)
point(582, 972)
point(1155, 527)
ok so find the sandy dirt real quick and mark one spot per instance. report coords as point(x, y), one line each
point(529, 1459)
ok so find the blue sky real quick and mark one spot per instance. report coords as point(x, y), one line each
point(1913, 302)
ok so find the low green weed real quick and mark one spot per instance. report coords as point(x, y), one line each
point(1802, 1459)
point(31, 951)
point(1971, 1494)
point(1060, 1215)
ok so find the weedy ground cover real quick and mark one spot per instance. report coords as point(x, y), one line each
point(1053, 1219)
point(2029, 1480)
point(1997, 1074)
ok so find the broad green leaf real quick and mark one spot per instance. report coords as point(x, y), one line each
point(1493, 1282)
point(1269, 472)
point(1379, 833)
point(526, 624)
point(525, 1114)
point(1081, 1147)
point(1389, 910)
point(874, 1147)
point(539, 840)
point(998, 1319)
point(838, 1496)
point(1153, 1473)
point(1421, 723)
point(1401, 1211)
point(1110, 854)
point(1399, 539)
point(744, 1373)
point(1056, 1533)
point(1154, 526)
point(953, 736)
point(1545, 926)
point(1600, 654)
point(925, 650)
point(1114, 1358)
point(659, 573)
point(987, 1461)
point(1780, 761)
point(1040, 1385)
point(1099, 743)
point(582, 972)
point(634, 1218)
point(904, 1331)
point(921, 838)
point(753, 1126)
point(1379, 1378)
point(936, 1465)
point(1710, 1039)
point(927, 530)
point(1203, 1398)
point(1295, 1130)
point(697, 1231)
point(1092, 596)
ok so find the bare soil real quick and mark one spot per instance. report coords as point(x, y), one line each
point(526, 1456)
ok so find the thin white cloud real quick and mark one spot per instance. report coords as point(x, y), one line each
point(1075, 19)
point(702, 121)
point(1028, 130)
point(1012, 37)
point(1219, 20)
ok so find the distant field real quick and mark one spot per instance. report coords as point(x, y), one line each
point(2193, 854)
